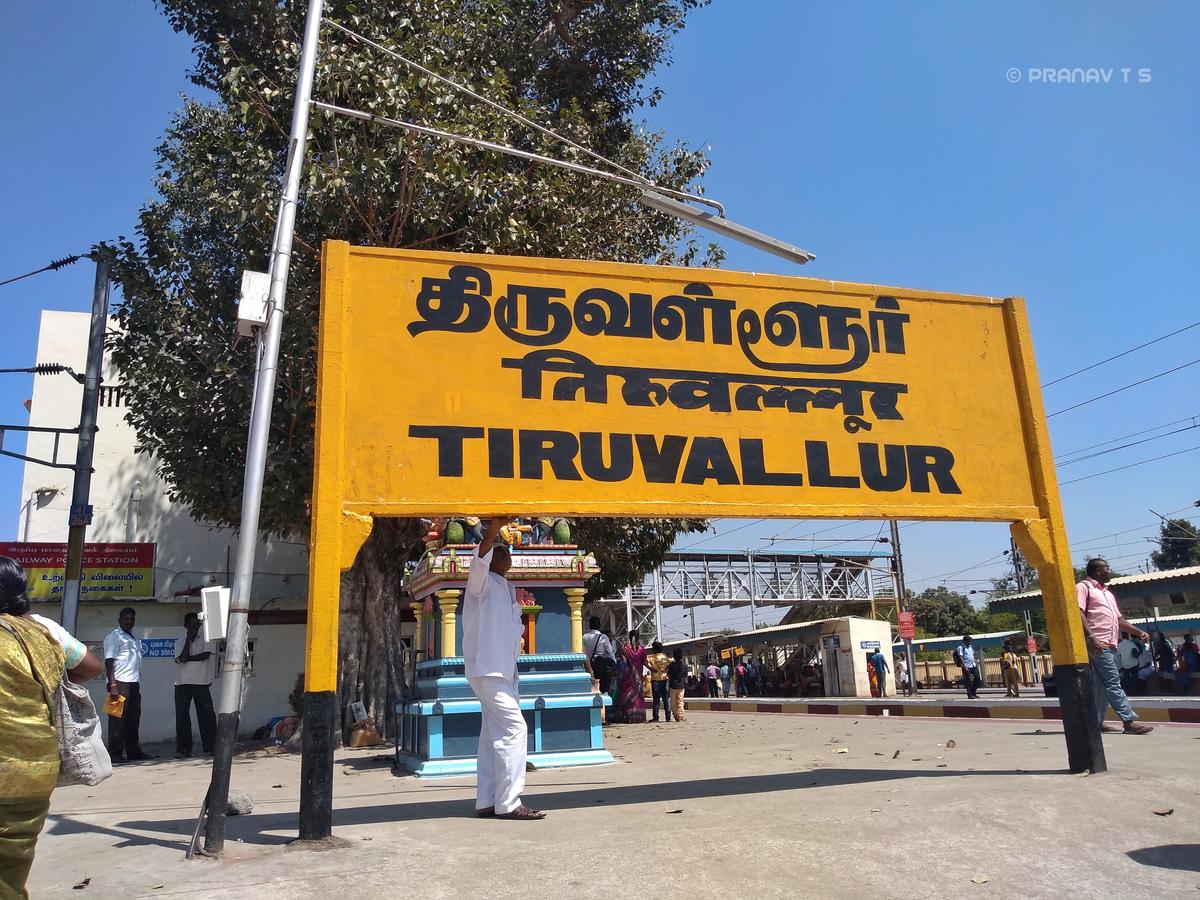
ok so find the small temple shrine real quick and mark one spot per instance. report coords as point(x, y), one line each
point(438, 724)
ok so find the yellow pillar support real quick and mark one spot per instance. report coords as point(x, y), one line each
point(575, 597)
point(336, 535)
point(448, 601)
point(419, 637)
point(1044, 542)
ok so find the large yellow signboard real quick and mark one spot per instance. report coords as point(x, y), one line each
point(471, 384)
point(481, 383)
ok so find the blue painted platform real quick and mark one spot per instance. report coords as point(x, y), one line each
point(438, 727)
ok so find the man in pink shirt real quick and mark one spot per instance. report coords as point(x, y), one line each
point(1102, 625)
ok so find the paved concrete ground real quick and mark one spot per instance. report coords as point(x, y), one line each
point(724, 804)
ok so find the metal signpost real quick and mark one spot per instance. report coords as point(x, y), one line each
point(229, 702)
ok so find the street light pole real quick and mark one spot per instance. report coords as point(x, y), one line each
point(238, 630)
point(725, 227)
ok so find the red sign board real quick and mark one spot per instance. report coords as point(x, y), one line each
point(113, 570)
point(1031, 645)
point(908, 626)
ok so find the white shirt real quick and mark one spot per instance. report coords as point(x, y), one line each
point(968, 655)
point(201, 672)
point(126, 653)
point(491, 622)
point(1128, 652)
point(1146, 662)
point(596, 644)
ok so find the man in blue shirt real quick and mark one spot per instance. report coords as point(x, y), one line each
point(879, 661)
point(964, 655)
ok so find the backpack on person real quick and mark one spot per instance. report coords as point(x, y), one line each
point(603, 667)
point(958, 659)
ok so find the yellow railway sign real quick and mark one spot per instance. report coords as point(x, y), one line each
point(460, 383)
point(525, 385)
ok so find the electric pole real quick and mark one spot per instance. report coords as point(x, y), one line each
point(81, 510)
point(753, 585)
point(902, 598)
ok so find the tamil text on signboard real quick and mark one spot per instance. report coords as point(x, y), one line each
point(634, 390)
point(109, 570)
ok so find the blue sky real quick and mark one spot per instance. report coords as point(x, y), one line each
point(888, 139)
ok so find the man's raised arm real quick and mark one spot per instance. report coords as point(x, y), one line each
point(489, 538)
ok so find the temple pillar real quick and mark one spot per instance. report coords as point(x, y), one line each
point(419, 636)
point(575, 597)
point(448, 601)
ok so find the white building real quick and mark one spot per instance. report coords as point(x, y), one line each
point(189, 554)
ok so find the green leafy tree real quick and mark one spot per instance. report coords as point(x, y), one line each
point(580, 68)
point(1003, 621)
point(941, 612)
point(1179, 545)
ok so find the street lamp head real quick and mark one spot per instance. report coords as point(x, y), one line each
point(725, 227)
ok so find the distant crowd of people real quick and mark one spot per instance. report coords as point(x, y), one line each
point(1141, 660)
point(628, 672)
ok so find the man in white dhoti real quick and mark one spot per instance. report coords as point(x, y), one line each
point(492, 633)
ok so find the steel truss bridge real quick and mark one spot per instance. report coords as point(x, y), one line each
point(856, 582)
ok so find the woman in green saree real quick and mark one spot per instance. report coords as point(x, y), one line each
point(34, 657)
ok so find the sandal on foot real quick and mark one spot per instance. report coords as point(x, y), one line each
point(522, 812)
point(486, 812)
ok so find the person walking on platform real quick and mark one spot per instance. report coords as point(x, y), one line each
point(492, 633)
point(902, 676)
point(631, 687)
point(677, 682)
point(658, 662)
point(964, 655)
point(1102, 623)
point(879, 662)
point(1008, 669)
point(602, 658)
point(711, 676)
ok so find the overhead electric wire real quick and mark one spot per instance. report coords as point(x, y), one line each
point(945, 575)
point(1131, 465)
point(1126, 446)
point(1138, 528)
point(52, 266)
point(1123, 388)
point(641, 179)
point(1123, 437)
point(721, 534)
point(1119, 355)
